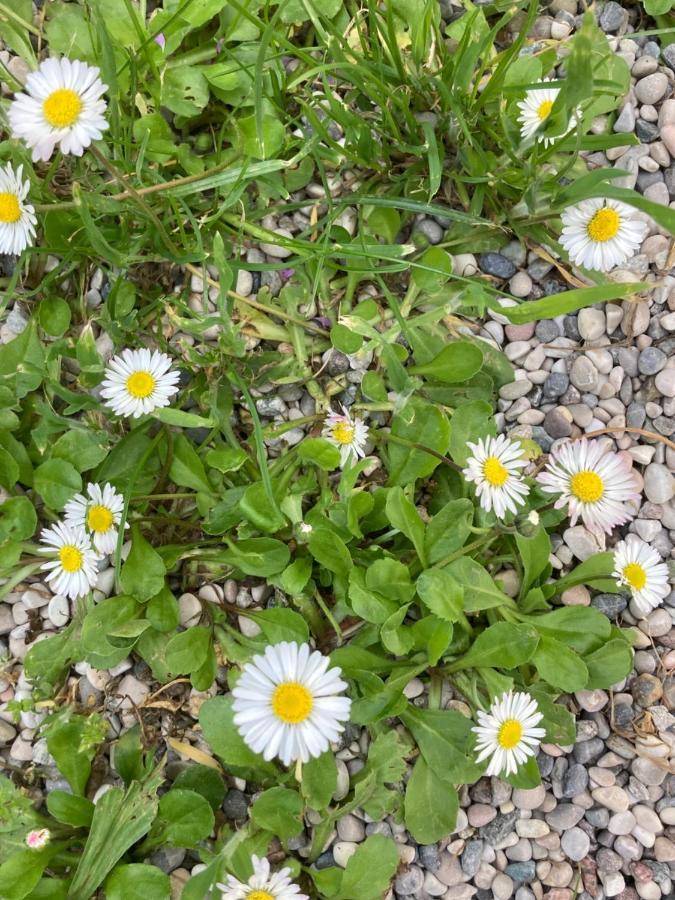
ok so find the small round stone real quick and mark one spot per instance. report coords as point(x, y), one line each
point(651, 89)
point(575, 844)
point(497, 265)
point(651, 361)
point(591, 323)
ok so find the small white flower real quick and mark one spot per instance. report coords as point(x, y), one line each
point(535, 110)
point(262, 885)
point(639, 567)
point(99, 514)
point(38, 838)
point(533, 517)
point(62, 105)
point(347, 434)
point(601, 234)
point(138, 382)
point(305, 528)
point(74, 571)
point(17, 218)
point(494, 467)
point(508, 733)
point(594, 482)
point(287, 705)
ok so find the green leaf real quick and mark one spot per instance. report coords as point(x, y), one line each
point(391, 579)
point(185, 91)
point(319, 780)
point(142, 575)
point(226, 459)
point(186, 467)
point(330, 551)
point(432, 270)
point(279, 810)
point(257, 509)
point(396, 638)
point(184, 819)
point(571, 301)
point(448, 529)
point(171, 416)
point(279, 625)
point(558, 665)
point(431, 805)
point(9, 470)
point(560, 725)
point(54, 315)
point(220, 732)
point(187, 651)
point(480, 591)
point(263, 145)
point(18, 519)
point(294, 578)
point(162, 611)
point(205, 781)
point(21, 872)
point(344, 339)
point(67, 31)
point(370, 870)
point(57, 481)
point(597, 567)
point(420, 423)
point(404, 517)
point(583, 628)
point(257, 556)
point(82, 449)
point(320, 452)
point(442, 594)
point(609, 664)
point(63, 742)
point(70, 809)
point(369, 605)
point(470, 421)
point(120, 819)
point(443, 737)
point(22, 362)
point(534, 552)
point(501, 646)
point(137, 882)
point(458, 361)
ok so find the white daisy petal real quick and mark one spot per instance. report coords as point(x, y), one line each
point(347, 434)
point(601, 233)
point(262, 885)
point(286, 703)
point(506, 734)
point(639, 567)
point(534, 112)
point(595, 484)
point(17, 218)
point(138, 382)
point(494, 468)
point(99, 514)
point(62, 105)
point(74, 571)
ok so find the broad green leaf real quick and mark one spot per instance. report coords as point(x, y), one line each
point(432, 270)
point(458, 361)
point(431, 805)
point(257, 556)
point(184, 819)
point(424, 425)
point(54, 315)
point(330, 551)
point(391, 579)
point(470, 421)
point(480, 591)
point(63, 742)
point(82, 449)
point(370, 870)
point(367, 604)
point(187, 651)
point(319, 780)
point(294, 578)
point(205, 781)
point(57, 481)
point(279, 811)
point(70, 809)
point(404, 517)
point(22, 362)
point(597, 567)
point(278, 624)
point(220, 732)
point(21, 872)
point(185, 91)
point(142, 575)
point(583, 628)
point(137, 882)
point(502, 646)
point(443, 737)
point(559, 723)
point(442, 594)
point(255, 506)
point(448, 529)
point(609, 664)
point(534, 552)
point(396, 637)
point(18, 519)
point(560, 666)
point(186, 467)
point(320, 452)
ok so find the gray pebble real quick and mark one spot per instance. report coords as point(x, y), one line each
point(651, 361)
point(496, 264)
point(555, 385)
point(235, 806)
point(575, 844)
point(611, 17)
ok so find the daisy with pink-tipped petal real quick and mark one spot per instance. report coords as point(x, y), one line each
point(347, 434)
point(640, 568)
point(38, 838)
point(495, 468)
point(262, 885)
point(593, 482)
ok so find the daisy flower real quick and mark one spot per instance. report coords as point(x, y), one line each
point(138, 382)
point(62, 105)
point(494, 467)
point(262, 885)
point(639, 567)
point(37, 839)
point(595, 484)
point(286, 703)
point(99, 514)
point(601, 234)
point(74, 571)
point(17, 219)
point(348, 435)
point(535, 110)
point(508, 733)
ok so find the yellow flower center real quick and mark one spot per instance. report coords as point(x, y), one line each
point(62, 108)
point(587, 486)
point(99, 518)
point(10, 211)
point(292, 702)
point(343, 432)
point(635, 575)
point(604, 225)
point(495, 473)
point(71, 558)
point(260, 895)
point(141, 384)
point(509, 734)
point(544, 110)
